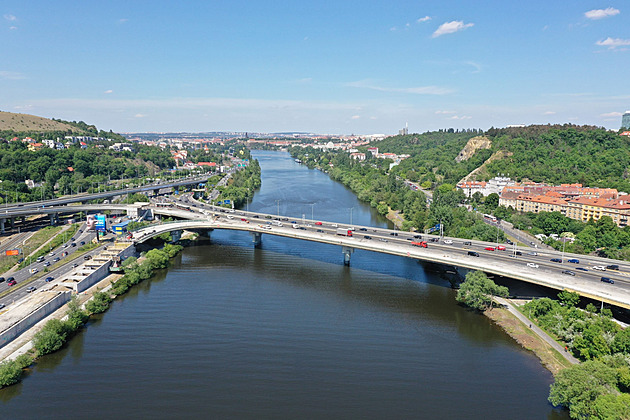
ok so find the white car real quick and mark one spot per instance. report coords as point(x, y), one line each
point(532, 265)
point(599, 267)
point(448, 242)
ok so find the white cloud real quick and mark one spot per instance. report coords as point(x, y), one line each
point(463, 117)
point(613, 43)
point(123, 20)
point(11, 75)
point(140, 115)
point(355, 117)
point(420, 90)
point(550, 112)
point(393, 28)
point(451, 27)
point(108, 91)
point(601, 13)
point(13, 28)
point(10, 18)
point(611, 115)
point(475, 65)
point(445, 112)
point(424, 19)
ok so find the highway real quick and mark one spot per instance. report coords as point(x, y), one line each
point(503, 259)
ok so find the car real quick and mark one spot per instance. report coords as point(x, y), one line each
point(467, 243)
point(382, 239)
point(82, 242)
point(318, 223)
point(500, 248)
point(448, 242)
point(302, 228)
point(489, 248)
point(367, 237)
point(532, 265)
point(73, 244)
point(334, 225)
point(80, 230)
point(40, 259)
point(65, 245)
point(473, 253)
point(31, 289)
point(33, 270)
point(11, 282)
point(75, 265)
point(581, 268)
point(47, 264)
point(607, 280)
point(2, 279)
point(599, 268)
point(243, 219)
point(2, 306)
point(293, 221)
point(435, 239)
point(87, 257)
point(393, 233)
point(558, 260)
point(363, 230)
point(518, 253)
point(320, 231)
point(612, 267)
point(507, 241)
point(574, 261)
point(534, 253)
point(50, 254)
point(49, 279)
point(64, 253)
point(568, 272)
point(72, 239)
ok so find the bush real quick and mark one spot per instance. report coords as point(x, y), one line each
point(50, 338)
point(10, 373)
point(99, 303)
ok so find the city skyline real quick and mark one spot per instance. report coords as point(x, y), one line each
point(329, 67)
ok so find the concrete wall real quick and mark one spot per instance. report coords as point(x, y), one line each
point(34, 317)
point(101, 272)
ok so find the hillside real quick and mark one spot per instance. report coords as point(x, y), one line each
point(10, 121)
point(554, 154)
point(474, 144)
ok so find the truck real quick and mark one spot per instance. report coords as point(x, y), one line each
point(344, 232)
point(423, 244)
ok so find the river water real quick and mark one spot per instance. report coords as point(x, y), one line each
point(287, 331)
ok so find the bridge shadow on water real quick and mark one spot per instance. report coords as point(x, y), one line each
point(400, 285)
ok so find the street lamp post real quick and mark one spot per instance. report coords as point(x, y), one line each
point(278, 203)
point(312, 207)
point(351, 208)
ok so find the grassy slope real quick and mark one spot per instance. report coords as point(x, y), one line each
point(26, 122)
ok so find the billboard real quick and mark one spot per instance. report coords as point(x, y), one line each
point(12, 252)
point(90, 221)
point(101, 223)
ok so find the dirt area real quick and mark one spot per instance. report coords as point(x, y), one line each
point(549, 357)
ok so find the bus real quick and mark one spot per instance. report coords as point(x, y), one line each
point(490, 218)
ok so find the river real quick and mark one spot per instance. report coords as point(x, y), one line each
point(287, 331)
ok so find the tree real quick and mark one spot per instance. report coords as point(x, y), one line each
point(570, 299)
point(50, 338)
point(579, 386)
point(492, 201)
point(477, 291)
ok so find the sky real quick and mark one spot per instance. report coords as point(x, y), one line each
point(326, 66)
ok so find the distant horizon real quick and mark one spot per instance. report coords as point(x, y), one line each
point(323, 67)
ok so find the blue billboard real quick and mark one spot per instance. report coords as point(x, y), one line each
point(101, 223)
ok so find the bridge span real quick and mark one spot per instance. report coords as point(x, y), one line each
point(455, 252)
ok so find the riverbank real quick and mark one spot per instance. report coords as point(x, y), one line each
point(531, 339)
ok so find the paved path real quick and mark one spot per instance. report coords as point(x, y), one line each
point(537, 330)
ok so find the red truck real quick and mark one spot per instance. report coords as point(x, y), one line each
point(423, 244)
point(344, 232)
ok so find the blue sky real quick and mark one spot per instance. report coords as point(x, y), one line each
point(337, 67)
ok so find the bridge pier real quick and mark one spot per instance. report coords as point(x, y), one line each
point(347, 251)
point(176, 235)
point(2, 222)
point(12, 221)
point(53, 219)
point(256, 238)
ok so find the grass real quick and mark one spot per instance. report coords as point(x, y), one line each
point(43, 236)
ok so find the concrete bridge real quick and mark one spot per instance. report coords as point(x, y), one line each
point(449, 251)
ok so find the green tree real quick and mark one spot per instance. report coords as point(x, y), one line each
point(477, 291)
point(570, 299)
point(579, 386)
point(491, 202)
point(51, 337)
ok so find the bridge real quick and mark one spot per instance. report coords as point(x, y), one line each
point(55, 206)
point(512, 263)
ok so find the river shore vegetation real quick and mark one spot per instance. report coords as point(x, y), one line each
point(477, 291)
point(55, 333)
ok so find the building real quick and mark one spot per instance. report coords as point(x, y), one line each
point(495, 185)
point(625, 120)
